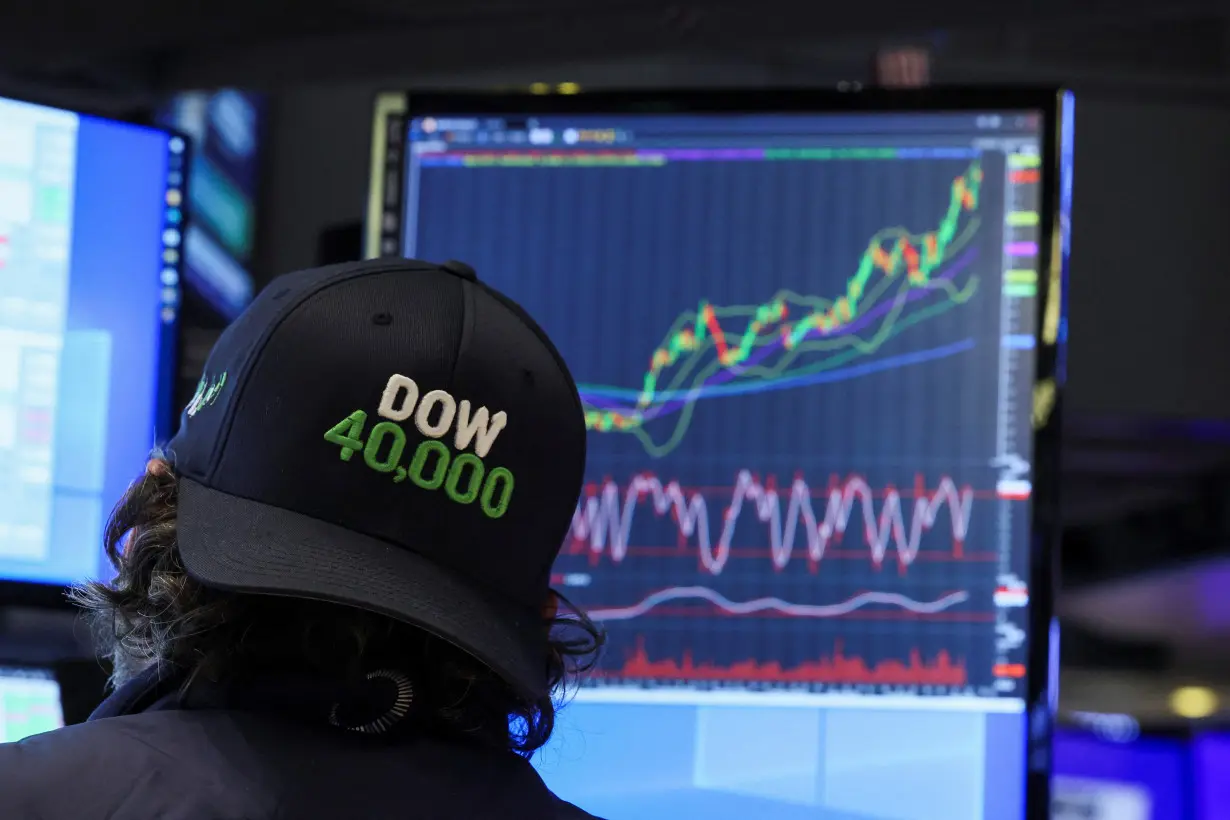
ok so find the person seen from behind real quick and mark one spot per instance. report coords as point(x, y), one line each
point(332, 594)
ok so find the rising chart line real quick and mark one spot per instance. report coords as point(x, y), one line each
point(696, 394)
point(698, 355)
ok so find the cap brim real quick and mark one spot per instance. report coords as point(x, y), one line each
point(239, 545)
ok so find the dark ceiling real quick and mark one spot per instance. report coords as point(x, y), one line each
point(141, 46)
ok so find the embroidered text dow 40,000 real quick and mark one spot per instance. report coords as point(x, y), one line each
point(432, 464)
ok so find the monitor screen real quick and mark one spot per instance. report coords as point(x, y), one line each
point(225, 131)
point(805, 346)
point(89, 250)
point(1211, 773)
point(1096, 779)
point(29, 703)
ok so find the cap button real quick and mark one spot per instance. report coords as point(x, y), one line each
point(460, 269)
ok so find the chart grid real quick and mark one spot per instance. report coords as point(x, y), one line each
point(791, 361)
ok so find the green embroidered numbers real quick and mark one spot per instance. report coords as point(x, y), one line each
point(432, 466)
point(418, 466)
point(462, 475)
point(397, 438)
point(345, 434)
point(502, 479)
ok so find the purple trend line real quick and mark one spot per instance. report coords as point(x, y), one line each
point(958, 264)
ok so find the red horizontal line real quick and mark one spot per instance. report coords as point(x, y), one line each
point(582, 549)
point(823, 491)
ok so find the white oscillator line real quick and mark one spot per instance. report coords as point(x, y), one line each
point(761, 604)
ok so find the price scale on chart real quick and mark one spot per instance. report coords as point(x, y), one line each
point(709, 573)
point(1015, 416)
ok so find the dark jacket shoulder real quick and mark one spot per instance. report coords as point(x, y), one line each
point(226, 765)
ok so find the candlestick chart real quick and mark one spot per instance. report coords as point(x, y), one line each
point(794, 340)
point(788, 372)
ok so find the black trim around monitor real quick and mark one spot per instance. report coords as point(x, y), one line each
point(37, 595)
point(384, 231)
point(166, 414)
point(1050, 373)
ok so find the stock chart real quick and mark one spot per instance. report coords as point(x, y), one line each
point(791, 364)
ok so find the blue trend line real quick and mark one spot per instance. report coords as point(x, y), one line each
point(841, 374)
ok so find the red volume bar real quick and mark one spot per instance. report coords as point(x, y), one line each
point(837, 669)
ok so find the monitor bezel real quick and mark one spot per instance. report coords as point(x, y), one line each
point(383, 232)
point(52, 595)
point(47, 670)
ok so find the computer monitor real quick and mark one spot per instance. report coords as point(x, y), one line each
point(29, 703)
point(817, 338)
point(1211, 774)
point(225, 127)
point(90, 237)
point(1145, 778)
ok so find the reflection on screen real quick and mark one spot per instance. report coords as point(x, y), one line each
point(804, 345)
point(1078, 799)
point(29, 703)
point(1144, 779)
point(89, 239)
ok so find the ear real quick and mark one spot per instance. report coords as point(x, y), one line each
point(157, 467)
point(550, 607)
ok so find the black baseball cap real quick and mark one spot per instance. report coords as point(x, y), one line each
point(392, 435)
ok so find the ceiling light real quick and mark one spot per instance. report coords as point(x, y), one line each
point(1193, 702)
point(540, 88)
point(568, 88)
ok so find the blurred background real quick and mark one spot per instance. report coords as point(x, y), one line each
point(278, 100)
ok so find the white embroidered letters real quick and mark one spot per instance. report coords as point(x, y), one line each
point(448, 411)
point(464, 478)
point(478, 429)
point(390, 407)
point(473, 425)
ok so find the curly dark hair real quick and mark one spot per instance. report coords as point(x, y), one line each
point(154, 613)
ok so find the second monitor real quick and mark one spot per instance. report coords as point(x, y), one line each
point(90, 237)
